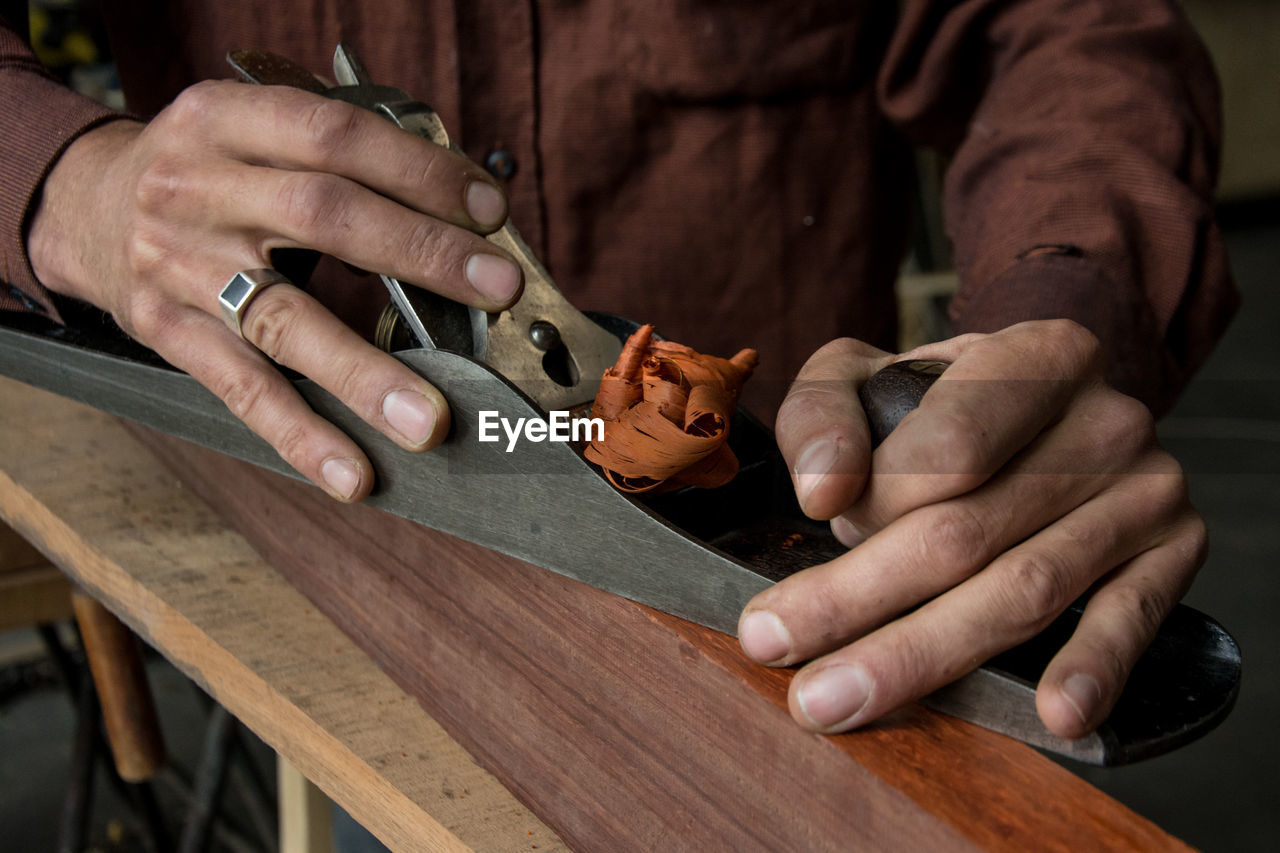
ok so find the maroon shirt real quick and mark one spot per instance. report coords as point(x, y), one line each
point(739, 173)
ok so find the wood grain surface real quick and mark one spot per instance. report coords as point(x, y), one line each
point(97, 503)
point(627, 729)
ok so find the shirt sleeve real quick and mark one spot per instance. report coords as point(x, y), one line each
point(1084, 141)
point(39, 118)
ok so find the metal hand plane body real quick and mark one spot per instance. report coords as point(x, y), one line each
point(548, 348)
point(697, 554)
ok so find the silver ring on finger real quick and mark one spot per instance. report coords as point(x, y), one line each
point(243, 287)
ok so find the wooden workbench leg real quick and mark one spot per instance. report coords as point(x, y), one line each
point(127, 707)
point(306, 813)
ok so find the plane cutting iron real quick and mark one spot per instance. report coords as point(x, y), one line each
point(698, 554)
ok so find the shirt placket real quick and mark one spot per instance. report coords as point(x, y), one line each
point(498, 82)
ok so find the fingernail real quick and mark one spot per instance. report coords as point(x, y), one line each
point(834, 695)
point(846, 533)
point(814, 463)
point(493, 276)
point(341, 476)
point(410, 414)
point(485, 203)
point(1082, 693)
point(764, 637)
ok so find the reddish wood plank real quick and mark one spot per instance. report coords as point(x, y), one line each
point(628, 729)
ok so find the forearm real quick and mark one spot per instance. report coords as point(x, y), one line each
point(1085, 140)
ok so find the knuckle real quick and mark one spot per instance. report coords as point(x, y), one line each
point(1188, 547)
point(1168, 472)
point(1111, 660)
point(1130, 416)
point(1119, 427)
point(292, 444)
point(1079, 348)
point(1036, 587)
point(254, 397)
point(1196, 546)
point(955, 539)
point(815, 626)
point(920, 659)
point(1159, 486)
point(244, 392)
point(956, 447)
point(1117, 667)
point(834, 359)
point(350, 378)
point(1057, 350)
point(807, 400)
point(271, 319)
point(1107, 533)
point(330, 127)
point(423, 241)
point(195, 103)
point(148, 315)
point(820, 607)
point(1145, 607)
point(844, 349)
point(313, 202)
point(913, 664)
point(147, 251)
point(829, 618)
point(162, 184)
point(434, 165)
point(1170, 494)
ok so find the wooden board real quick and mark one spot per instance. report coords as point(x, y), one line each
point(99, 505)
point(627, 729)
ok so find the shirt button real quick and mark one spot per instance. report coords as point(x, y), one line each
point(500, 164)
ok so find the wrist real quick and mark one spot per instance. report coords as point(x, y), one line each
point(75, 200)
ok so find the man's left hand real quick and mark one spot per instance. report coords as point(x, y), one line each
point(1021, 482)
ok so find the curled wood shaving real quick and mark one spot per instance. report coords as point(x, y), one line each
point(667, 411)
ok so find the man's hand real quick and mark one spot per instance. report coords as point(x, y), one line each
point(1021, 482)
point(149, 222)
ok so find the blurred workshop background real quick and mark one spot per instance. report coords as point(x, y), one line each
point(1220, 793)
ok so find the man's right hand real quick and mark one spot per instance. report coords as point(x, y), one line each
point(149, 222)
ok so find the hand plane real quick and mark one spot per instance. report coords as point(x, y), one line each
point(697, 554)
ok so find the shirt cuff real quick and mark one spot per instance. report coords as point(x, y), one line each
point(1068, 286)
point(41, 118)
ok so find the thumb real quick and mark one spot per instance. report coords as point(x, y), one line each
point(822, 430)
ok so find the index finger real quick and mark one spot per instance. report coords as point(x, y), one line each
point(1009, 601)
point(292, 129)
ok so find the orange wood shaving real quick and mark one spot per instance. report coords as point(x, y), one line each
point(667, 411)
